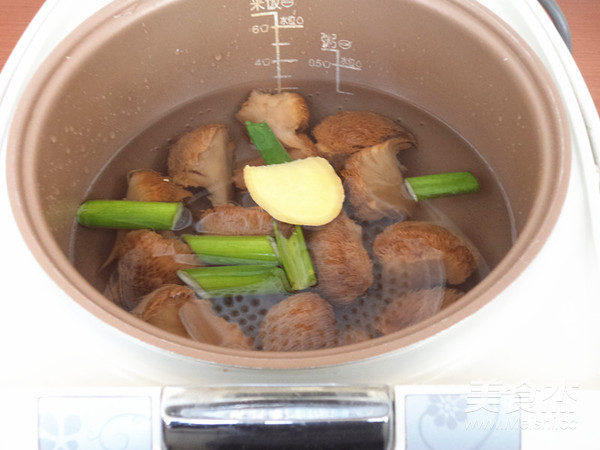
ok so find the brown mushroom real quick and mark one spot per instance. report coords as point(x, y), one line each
point(342, 265)
point(233, 220)
point(419, 255)
point(204, 325)
point(203, 157)
point(147, 185)
point(346, 132)
point(286, 113)
point(161, 308)
point(353, 335)
point(147, 261)
point(375, 185)
point(303, 321)
point(413, 307)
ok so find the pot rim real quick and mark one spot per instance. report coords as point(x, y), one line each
point(545, 213)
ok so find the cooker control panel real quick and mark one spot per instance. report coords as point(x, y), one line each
point(479, 415)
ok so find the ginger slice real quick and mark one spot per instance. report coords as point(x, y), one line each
point(302, 192)
point(295, 153)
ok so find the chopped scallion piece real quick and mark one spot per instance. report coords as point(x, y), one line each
point(295, 259)
point(129, 214)
point(292, 251)
point(267, 144)
point(226, 250)
point(218, 281)
point(442, 185)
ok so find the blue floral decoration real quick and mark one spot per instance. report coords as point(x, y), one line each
point(448, 410)
point(55, 435)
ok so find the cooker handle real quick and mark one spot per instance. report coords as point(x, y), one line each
point(559, 20)
point(265, 417)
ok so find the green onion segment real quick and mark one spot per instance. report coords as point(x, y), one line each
point(267, 144)
point(217, 281)
point(128, 214)
point(442, 185)
point(225, 250)
point(295, 259)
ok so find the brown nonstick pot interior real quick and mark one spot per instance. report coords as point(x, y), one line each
point(140, 73)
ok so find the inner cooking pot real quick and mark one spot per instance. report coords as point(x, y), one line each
point(116, 93)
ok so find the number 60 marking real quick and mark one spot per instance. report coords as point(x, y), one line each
point(257, 29)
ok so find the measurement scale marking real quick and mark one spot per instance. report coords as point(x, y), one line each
point(339, 66)
point(278, 44)
point(342, 66)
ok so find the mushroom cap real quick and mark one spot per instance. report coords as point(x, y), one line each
point(375, 184)
point(354, 335)
point(303, 321)
point(161, 308)
point(413, 307)
point(234, 220)
point(147, 185)
point(204, 325)
point(343, 267)
point(147, 261)
point(346, 132)
point(286, 113)
point(203, 157)
point(156, 244)
point(417, 255)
